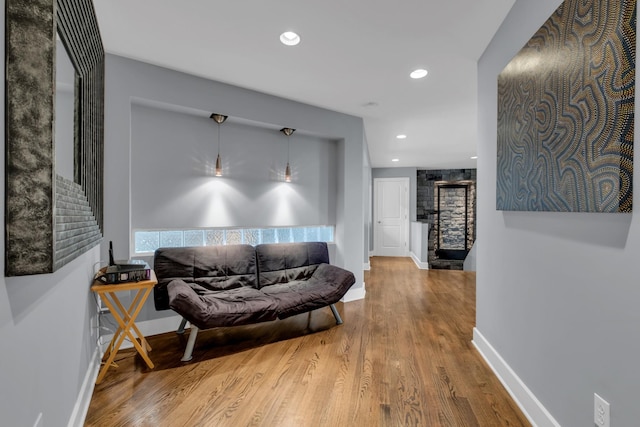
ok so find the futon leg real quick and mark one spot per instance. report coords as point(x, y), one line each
point(334, 310)
point(183, 323)
point(190, 343)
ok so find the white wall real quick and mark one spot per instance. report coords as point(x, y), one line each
point(557, 293)
point(412, 174)
point(47, 344)
point(143, 101)
point(367, 192)
point(470, 260)
point(64, 118)
point(420, 243)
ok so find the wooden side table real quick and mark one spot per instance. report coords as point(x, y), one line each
point(125, 318)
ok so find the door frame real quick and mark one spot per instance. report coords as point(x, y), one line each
point(407, 209)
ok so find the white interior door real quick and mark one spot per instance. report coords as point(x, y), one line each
point(391, 231)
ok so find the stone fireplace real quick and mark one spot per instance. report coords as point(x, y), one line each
point(447, 200)
point(453, 228)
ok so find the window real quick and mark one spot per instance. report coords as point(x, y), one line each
point(147, 241)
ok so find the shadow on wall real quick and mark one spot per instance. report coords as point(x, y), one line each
point(599, 229)
point(25, 293)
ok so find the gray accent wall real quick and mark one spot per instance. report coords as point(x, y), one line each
point(163, 114)
point(557, 293)
point(173, 186)
point(47, 341)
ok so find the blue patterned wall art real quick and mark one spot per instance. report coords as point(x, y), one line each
point(566, 113)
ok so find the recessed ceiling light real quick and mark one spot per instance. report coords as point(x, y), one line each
point(474, 157)
point(289, 38)
point(419, 73)
point(401, 136)
point(395, 160)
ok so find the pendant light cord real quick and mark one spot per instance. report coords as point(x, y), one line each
point(218, 139)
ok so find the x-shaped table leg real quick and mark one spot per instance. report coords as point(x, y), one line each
point(126, 323)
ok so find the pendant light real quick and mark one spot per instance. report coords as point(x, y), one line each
point(219, 119)
point(287, 170)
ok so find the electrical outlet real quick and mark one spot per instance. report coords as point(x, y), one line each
point(601, 411)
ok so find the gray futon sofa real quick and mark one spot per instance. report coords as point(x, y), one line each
point(231, 285)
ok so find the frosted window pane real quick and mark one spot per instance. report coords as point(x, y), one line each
point(326, 234)
point(171, 239)
point(233, 237)
point(269, 235)
point(147, 241)
point(284, 235)
point(194, 238)
point(311, 234)
point(298, 234)
point(252, 237)
point(214, 237)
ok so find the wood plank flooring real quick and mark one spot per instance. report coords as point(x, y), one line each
point(403, 357)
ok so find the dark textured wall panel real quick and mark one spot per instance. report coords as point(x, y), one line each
point(29, 133)
point(32, 243)
point(566, 111)
point(76, 226)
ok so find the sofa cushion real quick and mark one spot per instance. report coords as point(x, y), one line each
point(285, 262)
point(211, 267)
point(326, 286)
point(206, 308)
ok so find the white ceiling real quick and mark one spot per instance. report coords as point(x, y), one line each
point(353, 53)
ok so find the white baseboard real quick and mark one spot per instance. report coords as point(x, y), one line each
point(159, 326)
point(367, 266)
point(86, 391)
point(148, 328)
point(355, 294)
point(421, 265)
point(537, 414)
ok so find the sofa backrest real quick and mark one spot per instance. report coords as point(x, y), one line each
point(206, 267)
point(284, 262)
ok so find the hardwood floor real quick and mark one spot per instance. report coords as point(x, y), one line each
point(403, 357)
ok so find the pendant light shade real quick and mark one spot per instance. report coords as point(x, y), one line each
point(219, 119)
point(287, 173)
point(287, 170)
point(218, 166)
